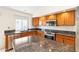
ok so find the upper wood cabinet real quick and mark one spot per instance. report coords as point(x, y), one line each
point(35, 22)
point(51, 17)
point(70, 18)
point(43, 20)
point(66, 18)
point(60, 19)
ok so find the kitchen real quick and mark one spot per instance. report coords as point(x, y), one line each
point(59, 26)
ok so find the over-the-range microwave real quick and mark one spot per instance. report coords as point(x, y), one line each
point(51, 23)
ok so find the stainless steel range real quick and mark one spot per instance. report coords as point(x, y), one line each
point(49, 34)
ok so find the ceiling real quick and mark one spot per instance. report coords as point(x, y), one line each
point(40, 10)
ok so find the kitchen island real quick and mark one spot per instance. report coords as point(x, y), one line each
point(10, 35)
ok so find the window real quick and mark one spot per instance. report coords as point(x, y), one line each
point(21, 23)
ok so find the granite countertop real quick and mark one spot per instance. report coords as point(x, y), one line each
point(67, 33)
point(15, 32)
point(12, 32)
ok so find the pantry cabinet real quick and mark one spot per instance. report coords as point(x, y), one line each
point(35, 22)
point(66, 18)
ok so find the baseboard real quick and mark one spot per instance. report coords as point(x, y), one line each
point(8, 50)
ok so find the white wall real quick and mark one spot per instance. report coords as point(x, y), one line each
point(7, 19)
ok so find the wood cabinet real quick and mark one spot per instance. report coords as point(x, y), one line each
point(23, 34)
point(8, 42)
point(69, 40)
point(40, 33)
point(66, 18)
point(60, 19)
point(70, 18)
point(51, 17)
point(43, 20)
point(59, 38)
point(35, 22)
point(65, 39)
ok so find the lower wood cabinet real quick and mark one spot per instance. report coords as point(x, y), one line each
point(8, 42)
point(65, 39)
point(69, 40)
point(24, 34)
point(40, 33)
point(59, 38)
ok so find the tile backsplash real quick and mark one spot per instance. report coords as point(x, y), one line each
point(64, 28)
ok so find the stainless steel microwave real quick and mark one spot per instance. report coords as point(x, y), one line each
point(51, 23)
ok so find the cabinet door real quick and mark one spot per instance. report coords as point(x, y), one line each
point(59, 38)
point(51, 17)
point(40, 34)
point(35, 22)
point(60, 19)
point(43, 20)
point(69, 40)
point(10, 37)
point(66, 18)
point(70, 18)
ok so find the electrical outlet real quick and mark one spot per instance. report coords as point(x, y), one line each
point(8, 27)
